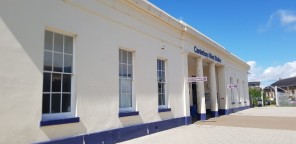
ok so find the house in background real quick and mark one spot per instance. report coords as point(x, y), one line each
point(254, 85)
point(287, 85)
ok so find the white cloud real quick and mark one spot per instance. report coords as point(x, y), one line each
point(271, 74)
point(284, 18)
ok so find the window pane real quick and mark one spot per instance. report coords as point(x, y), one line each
point(124, 56)
point(58, 42)
point(160, 99)
point(68, 63)
point(163, 88)
point(161, 93)
point(126, 93)
point(162, 65)
point(126, 101)
point(129, 86)
point(124, 70)
point(158, 65)
point(48, 40)
point(159, 76)
point(120, 89)
point(68, 45)
point(66, 83)
point(56, 103)
point(58, 62)
point(121, 70)
point(47, 61)
point(46, 82)
point(58, 57)
point(163, 76)
point(159, 87)
point(125, 81)
point(45, 103)
point(56, 82)
point(66, 103)
point(130, 58)
point(130, 71)
point(121, 100)
point(123, 85)
point(129, 100)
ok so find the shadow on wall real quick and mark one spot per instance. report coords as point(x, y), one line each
point(19, 34)
point(64, 130)
point(166, 115)
point(131, 120)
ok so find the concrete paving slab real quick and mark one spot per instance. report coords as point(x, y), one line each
point(264, 122)
point(210, 134)
point(269, 111)
point(271, 125)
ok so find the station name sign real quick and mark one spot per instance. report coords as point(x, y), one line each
point(197, 79)
point(231, 86)
point(207, 55)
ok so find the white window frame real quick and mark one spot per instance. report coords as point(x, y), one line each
point(133, 97)
point(165, 83)
point(72, 113)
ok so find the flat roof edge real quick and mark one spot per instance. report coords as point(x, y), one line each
point(150, 8)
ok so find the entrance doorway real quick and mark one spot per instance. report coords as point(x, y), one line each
point(193, 107)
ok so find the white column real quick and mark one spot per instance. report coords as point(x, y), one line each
point(213, 90)
point(276, 96)
point(185, 85)
point(295, 94)
point(201, 106)
point(224, 96)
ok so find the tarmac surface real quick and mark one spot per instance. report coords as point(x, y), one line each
point(262, 125)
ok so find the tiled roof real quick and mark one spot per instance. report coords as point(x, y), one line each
point(285, 82)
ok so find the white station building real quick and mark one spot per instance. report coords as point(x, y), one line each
point(106, 71)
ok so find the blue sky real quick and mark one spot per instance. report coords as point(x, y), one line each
point(260, 32)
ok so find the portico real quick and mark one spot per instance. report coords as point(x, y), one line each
point(204, 95)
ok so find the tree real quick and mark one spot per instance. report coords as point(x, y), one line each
point(255, 94)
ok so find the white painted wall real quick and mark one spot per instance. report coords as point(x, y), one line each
point(100, 28)
point(99, 32)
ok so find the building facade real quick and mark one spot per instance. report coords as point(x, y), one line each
point(255, 85)
point(105, 71)
point(287, 86)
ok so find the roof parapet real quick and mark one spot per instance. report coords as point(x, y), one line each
point(180, 25)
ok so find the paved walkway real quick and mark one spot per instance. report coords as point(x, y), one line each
point(263, 125)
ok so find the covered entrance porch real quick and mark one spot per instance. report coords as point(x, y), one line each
point(204, 96)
